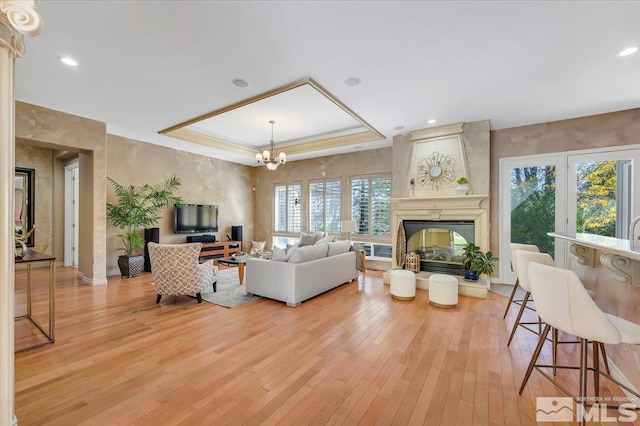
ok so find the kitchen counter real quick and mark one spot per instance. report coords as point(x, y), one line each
point(625, 248)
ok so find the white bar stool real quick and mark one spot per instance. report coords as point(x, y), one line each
point(563, 303)
point(513, 247)
point(443, 291)
point(523, 259)
point(403, 284)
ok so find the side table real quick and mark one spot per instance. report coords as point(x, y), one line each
point(29, 259)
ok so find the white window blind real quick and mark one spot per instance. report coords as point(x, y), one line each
point(287, 200)
point(324, 206)
point(371, 204)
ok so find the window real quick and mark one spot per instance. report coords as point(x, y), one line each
point(371, 205)
point(324, 206)
point(287, 215)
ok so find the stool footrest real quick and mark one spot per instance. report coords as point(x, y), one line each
point(577, 398)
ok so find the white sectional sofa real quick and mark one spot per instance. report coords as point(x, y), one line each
point(302, 275)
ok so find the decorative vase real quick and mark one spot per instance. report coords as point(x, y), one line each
point(131, 266)
point(470, 275)
point(462, 189)
point(20, 250)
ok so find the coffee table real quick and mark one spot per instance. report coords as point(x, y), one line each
point(233, 261)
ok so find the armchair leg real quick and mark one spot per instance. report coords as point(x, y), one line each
point(215, 286)
point(158, 298)
point(199, 297)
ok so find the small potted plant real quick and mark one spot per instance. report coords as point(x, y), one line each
point(138, 207)
point(483, 264)
point(462, 185)
point(471, 253)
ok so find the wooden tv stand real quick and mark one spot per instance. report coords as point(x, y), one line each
point(219, 249)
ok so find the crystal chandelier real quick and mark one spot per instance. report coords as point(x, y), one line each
point(272, 159)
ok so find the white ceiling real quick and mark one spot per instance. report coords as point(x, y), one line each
point(145, 66)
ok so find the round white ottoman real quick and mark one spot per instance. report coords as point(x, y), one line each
point(403, 284)
point(443, 291)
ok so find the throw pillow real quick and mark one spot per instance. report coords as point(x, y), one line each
point(338, 247)
point(327, 239)
point(308, 253)
point(279, 255)
point(320, 234)
point(306, 239)
point(257, 246)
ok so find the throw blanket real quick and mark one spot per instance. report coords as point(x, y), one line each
point(359, 265)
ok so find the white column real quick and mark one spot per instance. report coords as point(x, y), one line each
point(16, 18)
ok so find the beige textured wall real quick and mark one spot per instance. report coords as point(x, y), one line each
point(204, 181)
point(57, 130)
point(41, 160)
point(377, 161)
point(597, 131)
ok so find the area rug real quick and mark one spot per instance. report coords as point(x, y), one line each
point(230, 293)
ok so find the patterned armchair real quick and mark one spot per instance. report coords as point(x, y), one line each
point(176, 270)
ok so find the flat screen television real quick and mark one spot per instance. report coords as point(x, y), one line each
point(193, 218)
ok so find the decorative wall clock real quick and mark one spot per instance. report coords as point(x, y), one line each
point(437, 170)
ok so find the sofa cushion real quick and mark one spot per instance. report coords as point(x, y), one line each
point(306, 239)
point(338, 247)
point(326, 239)
point(257, 246)
point(280, 255)
point(308, 253)
point(320, 234)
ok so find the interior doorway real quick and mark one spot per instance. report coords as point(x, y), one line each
point(71, 203)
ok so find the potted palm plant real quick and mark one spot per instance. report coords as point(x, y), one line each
point(484, 263)
point(471, 253)
point(476, 263)
point(136, 207)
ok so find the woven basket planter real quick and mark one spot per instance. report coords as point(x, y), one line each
point(131, 266)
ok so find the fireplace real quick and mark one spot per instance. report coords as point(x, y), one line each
point(437, 229)
point(416, 199)
point(439, 243)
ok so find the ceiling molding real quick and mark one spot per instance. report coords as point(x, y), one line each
point(301, 148)
point(366, 136)
point(434, 132)
point(180, 131)
point(202, 139)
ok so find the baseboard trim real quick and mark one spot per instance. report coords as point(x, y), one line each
point(112, 272)
point(92, 281)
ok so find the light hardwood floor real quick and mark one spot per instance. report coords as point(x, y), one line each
point(350, 356)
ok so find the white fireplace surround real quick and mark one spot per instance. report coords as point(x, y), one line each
point(469, 143)
point(447, 208)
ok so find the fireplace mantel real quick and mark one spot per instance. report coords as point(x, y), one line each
point(466, 207)
point(437, 203)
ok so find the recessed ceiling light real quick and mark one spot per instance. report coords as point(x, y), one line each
point(432, 121)
point(68, 61)
point(398, 128)
point(240, 82)
point(352, 81)
point(628, 51)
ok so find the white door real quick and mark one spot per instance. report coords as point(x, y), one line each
point(531, 205)
point(600, 195)
point(71, 208)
